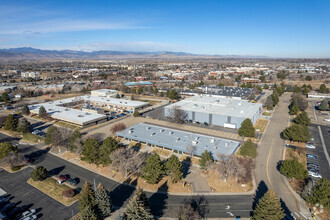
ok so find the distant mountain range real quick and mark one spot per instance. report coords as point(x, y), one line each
point(28, 53)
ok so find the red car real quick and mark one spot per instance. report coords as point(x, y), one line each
point(64, 177)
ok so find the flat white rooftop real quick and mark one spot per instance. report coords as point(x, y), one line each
point(219, 106)
point(57, 111)
point(179, 140)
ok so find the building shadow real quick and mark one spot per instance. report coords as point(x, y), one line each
point(158, 200)
point(37, 124)
point(121, 193)
point(260, 192)
point(44, 127)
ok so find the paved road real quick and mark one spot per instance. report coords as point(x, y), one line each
point(161, 204)
point(270, 153)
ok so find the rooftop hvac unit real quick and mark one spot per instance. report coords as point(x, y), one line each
point(177, 139)
point(147, 128)
point(170, 133)
point(160, 131)
point(242, 112)
point(152, 134)
point(194, 142)
point(130, 131)
point(226, 144)
point(196, 138)
point(212, 140)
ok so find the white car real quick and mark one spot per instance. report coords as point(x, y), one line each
point(28, 213)
point(314, 174)
point(311, 146)
point(31, 217)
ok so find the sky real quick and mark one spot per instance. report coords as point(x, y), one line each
point(275, 28)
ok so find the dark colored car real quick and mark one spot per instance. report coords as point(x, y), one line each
point(73, 182)
point(206, 124)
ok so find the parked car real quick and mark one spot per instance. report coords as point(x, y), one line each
point(63, 178)
point(206, 124)
point(311, 169)
point(32, 217)
point(313, 165)
point(311, 156)
point(4, 200)
point(28, 213)
point(72, 182)
point(310, 146)
point(8, 207)
point(315, 175)
point(36, 132)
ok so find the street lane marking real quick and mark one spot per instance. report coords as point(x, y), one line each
point(268, 163)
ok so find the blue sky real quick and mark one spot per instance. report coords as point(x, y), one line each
point(290, 28)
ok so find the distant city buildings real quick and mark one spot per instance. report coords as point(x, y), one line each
point(33, 75)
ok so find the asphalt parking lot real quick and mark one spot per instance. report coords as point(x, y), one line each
point(318, 151)
point(24, 194)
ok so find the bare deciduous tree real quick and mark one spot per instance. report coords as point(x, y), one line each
point(117, 127)
point(177, 115)
point(228, 165)
point(194, 209)
point(191, 149)
point(13, 159)
point(128, 160)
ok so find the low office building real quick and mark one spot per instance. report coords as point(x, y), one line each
point(62, 109)
point(104, 93)
point(33, 75)
point(216, 110)
point(178, 141)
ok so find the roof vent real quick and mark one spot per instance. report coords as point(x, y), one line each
point(177, 139)
point(170, 133)
point(147, 128)
point(194, 142)
point(161, 130)
point(152, 134)
point(130, 131)
point(212, 140)
point(226, 144)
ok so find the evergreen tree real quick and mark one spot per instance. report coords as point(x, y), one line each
point(138, 207)
point(102, 201)
point(205, 160)
point(320, 193)
point(303, 119)
point(136, 114)
point(293, 169)
point(247, 129)
point(268, 207)
point(153, 170)
point(11, 123)
point(294, 110)
point(39, 173)
point(86, 204)
point(297, 132)
point(323, 89)
point(248, 149)
point(25, 110)
point(118, 96)
point(324, 105)
point(266, 86)
point(173, 168)
point(6, 148)
point(90, 152)
point(42, 112)
point(5, 97)
point(275, 98)
point(109, 145)
point(52, 135)
point(23, 125)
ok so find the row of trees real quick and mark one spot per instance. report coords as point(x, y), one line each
point(96, 204)
point(273, 99)
point(298, 103)
point(12, 123)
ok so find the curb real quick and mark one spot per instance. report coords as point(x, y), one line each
point(251, 192)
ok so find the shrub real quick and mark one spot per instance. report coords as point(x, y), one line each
point(15, 168)
point(136, 114)
point(117, 127)
point(40, 173)
point(248, 149)
point(68, 193)
point(293, 169)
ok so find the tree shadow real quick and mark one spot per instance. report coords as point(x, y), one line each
point(158, 200)
point(278, 165)
point(39, 154)
point(186, 164)
point(200, 205)
point(121, 193)
point(287, 212)
point(260, 192)
point(37, 124)
point(44, 127)
point(56, 171)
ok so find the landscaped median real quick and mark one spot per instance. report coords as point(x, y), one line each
point(51, 188)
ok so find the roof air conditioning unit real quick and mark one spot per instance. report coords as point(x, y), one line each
point(170, 133)
point(152, 134)
point(147, 128)
point(226, 144)
point(130, 131)
point(212, 140)
point(177, 139)
point(194, 142)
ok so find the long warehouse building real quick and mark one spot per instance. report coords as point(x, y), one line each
point(216, 110)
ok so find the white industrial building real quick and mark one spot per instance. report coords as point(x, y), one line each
point(104, 93)
point(216, 110)
point(33, 75)
point(62, 109)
